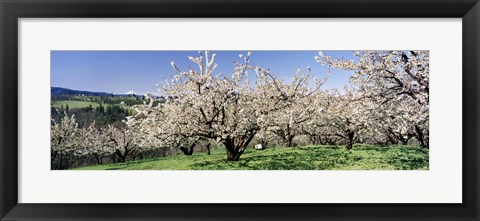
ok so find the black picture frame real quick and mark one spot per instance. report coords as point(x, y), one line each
point(12, 10)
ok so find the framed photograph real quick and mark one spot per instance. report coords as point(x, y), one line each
point(199, 110)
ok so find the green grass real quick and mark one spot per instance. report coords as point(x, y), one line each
point(75, 104)
point(361, 157)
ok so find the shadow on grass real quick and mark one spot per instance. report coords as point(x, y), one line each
point(361, 157)
point(280, 161)
point(326, 158)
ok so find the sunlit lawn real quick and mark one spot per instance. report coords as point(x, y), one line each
point(75, 104)
point(361, 157)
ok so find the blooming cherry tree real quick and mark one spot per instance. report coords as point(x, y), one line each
point(227, 109)
point(396, 81)
point(63, 135)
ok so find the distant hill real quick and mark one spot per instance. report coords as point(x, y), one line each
point(59, 91)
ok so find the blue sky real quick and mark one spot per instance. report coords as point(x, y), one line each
point(139, 71)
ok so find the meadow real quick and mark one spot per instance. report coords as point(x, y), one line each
point(73, 104)
point(361, 157)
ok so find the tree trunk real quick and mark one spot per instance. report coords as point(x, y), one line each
point(421, 137)
point(350, 136)
point(99, 159)
point(233, 155)
point(313, 139)
point(208, 148)
point(184, 150)
point(287, 140)
point(54, 155)
point(63, 162)
point(349, 145)
point(122, 157)
point(316, 140)
point(403, 140)
point(188, 151)
point(234, 151)
point(264, 143)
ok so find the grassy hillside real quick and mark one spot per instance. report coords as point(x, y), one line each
point(74, 104)
point(361, 157)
